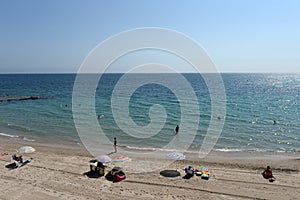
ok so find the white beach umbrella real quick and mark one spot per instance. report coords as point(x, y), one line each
point(176, 156)
point(26, 149)
point(103, 159)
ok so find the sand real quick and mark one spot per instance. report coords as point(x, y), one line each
point(57, 173)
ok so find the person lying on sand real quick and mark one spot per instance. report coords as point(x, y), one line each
point(3, 155)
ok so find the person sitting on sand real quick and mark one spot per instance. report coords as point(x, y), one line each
point(101, 168)
point(188, 169)
point(267, 174)
point(17, 158)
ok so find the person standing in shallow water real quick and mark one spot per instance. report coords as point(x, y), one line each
point(177, 129)
point(115, 144)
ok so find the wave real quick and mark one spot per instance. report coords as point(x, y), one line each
point(8, 135)
point(25, 129)
point(158, 149)
point(17, 136)
point(192, 151)
point(229, 150)
point(259, 150)
point(19, 127)
point(148, 148)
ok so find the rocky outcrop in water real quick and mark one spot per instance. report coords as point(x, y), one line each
point(5, 98)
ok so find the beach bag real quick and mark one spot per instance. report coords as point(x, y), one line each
point(120, 176)
point(101, 171)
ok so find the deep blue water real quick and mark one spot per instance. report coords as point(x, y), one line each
point(253, 102)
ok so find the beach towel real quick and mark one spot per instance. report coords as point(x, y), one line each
point(170, 173)
point(272, 179)
point(3, 155)
point(15, 165)
point(27, 162)
point(205, 173)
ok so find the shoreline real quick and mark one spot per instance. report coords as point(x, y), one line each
point(285, 161)
point(73, 138)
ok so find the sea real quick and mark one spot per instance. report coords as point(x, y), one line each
point(262, 110)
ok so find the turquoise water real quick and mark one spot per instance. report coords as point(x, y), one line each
point(254, 101)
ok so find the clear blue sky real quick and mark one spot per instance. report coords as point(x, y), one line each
point(239, 35)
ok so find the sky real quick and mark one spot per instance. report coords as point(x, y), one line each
point(55, 36)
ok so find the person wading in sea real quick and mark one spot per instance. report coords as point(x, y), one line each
point(177, 129)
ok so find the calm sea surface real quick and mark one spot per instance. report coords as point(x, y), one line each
point(253, 102)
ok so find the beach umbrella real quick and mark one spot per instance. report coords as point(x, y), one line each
point(26, 149)
point(121, 160)
point(103, 159)
point(176, 156)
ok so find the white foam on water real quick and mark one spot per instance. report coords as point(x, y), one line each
point(8, 135)
point(16, 136)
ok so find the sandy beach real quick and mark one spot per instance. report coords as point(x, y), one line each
point(56, 172)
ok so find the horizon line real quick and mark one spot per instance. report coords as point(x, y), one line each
point(226, 72)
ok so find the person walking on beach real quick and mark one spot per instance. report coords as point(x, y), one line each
point(177, 129)
point(115, 144)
